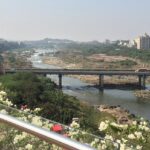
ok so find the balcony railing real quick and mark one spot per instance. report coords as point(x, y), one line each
point(23, 121)
point(44, 134)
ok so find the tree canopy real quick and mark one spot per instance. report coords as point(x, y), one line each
point(36, 91)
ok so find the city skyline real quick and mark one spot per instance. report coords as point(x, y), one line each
point(77, 20)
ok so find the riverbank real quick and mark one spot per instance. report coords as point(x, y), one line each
point(121, 115)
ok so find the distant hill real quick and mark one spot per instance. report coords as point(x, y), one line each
point(47, 43)
point(59, 43)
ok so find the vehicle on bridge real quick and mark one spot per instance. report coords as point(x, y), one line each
point(142, 70)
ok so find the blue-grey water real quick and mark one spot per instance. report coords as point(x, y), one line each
point(81, 90)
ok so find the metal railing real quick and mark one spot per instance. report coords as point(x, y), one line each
point(48, 136)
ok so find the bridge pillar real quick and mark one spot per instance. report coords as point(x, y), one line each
point(60, 80)
point(140, 81)
point(101, 81)
point(2, 69)
point(144, 79)
point(45, 75)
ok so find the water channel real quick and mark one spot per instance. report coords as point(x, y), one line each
point(84, 92)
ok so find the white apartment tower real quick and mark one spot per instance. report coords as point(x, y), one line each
point(143, 42)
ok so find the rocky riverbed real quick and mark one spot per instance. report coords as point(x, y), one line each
point(122, 116)
point(113, 81)
point(142, 94)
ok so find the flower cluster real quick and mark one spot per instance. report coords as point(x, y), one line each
point(135, 135)
point(103, 125)
point(4, 100)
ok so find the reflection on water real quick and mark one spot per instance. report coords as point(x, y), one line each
point(84, 92)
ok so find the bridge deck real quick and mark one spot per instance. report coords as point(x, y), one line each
point(80, 72)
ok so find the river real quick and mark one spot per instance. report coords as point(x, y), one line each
point(86, 93)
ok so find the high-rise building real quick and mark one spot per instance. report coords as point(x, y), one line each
point(143, 42)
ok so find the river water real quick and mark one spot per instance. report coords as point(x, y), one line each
point(86, 93)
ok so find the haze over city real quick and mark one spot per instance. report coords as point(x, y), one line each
point(84, 20)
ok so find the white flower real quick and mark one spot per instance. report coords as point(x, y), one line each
point(145, 123)
point(74, 124)
point(104, 147)
point(3, 93)
point(27, 110)
point(37, 121)
point(19, 137)
point(3, 111)
point(30, 116)
point(36, 110)
point(134, 123)
point(24, 134)
point(144, 128)
point(28, 147)
point(23, 118)
point(103, 141)
point(7, 102)
point(108, 137)
point(103, 126)
point(107, 121)
point(116, 145)
point(138, 135)
point(125, 126)
point(47, 125)
point(138, 147)
point(74, 134)
point(118, 141)
point(124, 140)
point(122, 147)
point(131, 136)
point(95, 142)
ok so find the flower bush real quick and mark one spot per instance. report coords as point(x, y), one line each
point(133, 136)
point(14, 139)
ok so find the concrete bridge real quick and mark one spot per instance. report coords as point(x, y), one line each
point(101, 73)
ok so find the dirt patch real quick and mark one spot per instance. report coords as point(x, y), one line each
point(58, 62)
point(106, 58)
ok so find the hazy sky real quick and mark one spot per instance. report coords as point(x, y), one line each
point(80, 20)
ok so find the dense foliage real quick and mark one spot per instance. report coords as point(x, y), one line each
point(35, 91)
